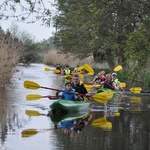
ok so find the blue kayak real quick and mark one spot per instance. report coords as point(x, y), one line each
point(70, 106)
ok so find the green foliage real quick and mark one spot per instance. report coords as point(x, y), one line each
point(147, 80)
point(107, 29)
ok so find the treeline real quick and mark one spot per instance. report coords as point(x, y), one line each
point(114, 31)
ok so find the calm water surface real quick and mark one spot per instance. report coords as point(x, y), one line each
point(21, 131)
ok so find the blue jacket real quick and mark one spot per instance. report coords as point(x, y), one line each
point(68, 96)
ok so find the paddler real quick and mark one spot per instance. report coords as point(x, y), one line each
point(116, 82)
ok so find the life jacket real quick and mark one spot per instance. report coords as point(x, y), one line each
point(67, 72)
point(116, 81)
point(68, 96)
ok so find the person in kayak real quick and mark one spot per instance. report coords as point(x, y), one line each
point(109, 82)
point(68, 93)
point(58, 67)
point(76, 69)
point(99, 78)
point(66, 71)
point(116, 82)
point(79, 87)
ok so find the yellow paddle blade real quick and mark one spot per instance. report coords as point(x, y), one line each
point(118, 68)
point(107, 126)
point(31, 97)
point(99, 124)
point(96, 86)
point(88, 68)
point(32, 113)
point(68, 76)
point(123, 84)
point(107, 94)
point(90, 73)
point(57, 71)
point(80, 68)
point(117, 113)
point(99, 120)
point(81, 75)
point(136, 99)
point(47, 69)
point(28, 133)
point(88, 87)
point(136, 89)
point(100, 98)
point(31, 85)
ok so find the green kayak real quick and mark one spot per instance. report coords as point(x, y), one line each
point(70, 106)
point(108, 90)
point(56, 118)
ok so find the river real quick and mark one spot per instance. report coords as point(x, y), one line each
point(127, 118)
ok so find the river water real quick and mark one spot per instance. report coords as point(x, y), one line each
point(127, 118)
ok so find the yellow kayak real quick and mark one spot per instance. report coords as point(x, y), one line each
point(67, 76)
point(56, 71)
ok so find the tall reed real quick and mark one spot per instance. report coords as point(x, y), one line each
point(53, 58)
point(10, 51)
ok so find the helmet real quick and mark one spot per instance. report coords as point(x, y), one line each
point(114, 74)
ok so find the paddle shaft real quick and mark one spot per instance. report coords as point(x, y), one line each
point(113, 88)
point(89, 95)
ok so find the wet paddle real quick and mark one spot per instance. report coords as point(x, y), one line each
point(90, 69)
point(102, 123)
point(33, 113)
point(47, 69)
point(97, 97)
point(134, 89)
point(100, 97)
point(28, 133)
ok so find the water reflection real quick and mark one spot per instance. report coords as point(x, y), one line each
point(71, 123)
point(126, 117)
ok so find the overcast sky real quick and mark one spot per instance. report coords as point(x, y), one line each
point(35, 29)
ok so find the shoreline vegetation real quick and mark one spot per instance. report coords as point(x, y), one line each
point(53, 57)
point(10, 53)
point(13, 51)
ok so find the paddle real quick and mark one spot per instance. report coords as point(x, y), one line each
point(80, 68)
point(134, 89)
point(122, 84)
point(33, 113)
point(89, 68)
point(99, 120)
point(136, 99)
point(28, 132)
point(102, 123)
point(100, 97)
point(31, 97)
point(47, 69)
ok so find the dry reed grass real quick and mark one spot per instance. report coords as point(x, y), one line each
point(53, 58)
point(9, 56)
